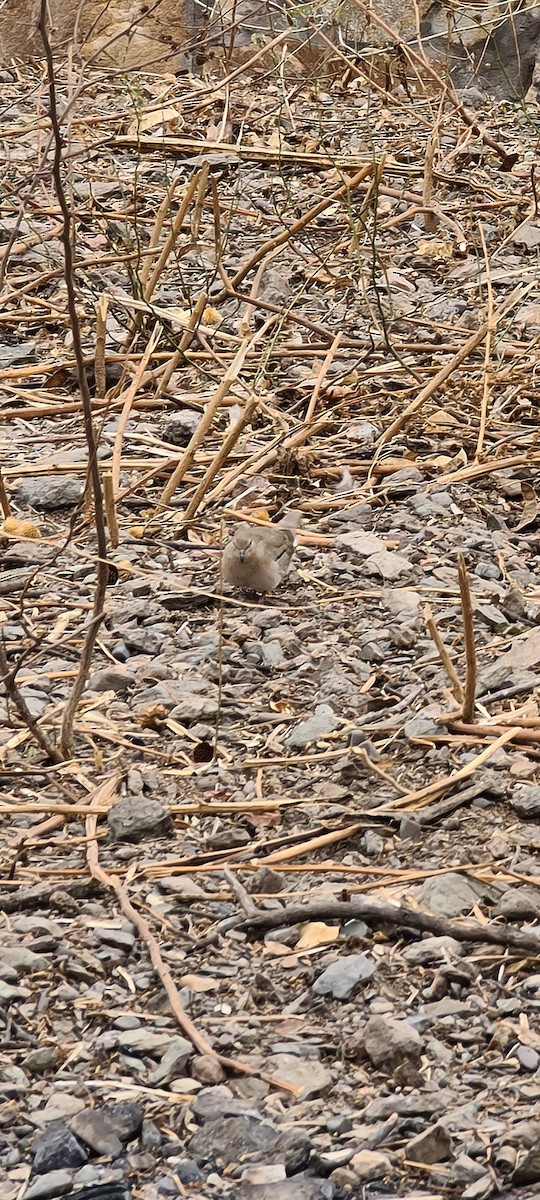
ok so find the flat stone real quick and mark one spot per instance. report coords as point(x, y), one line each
point(388, 1042)
point(431, 1146)
point(137, 817)
point(433, 949)
point(41, 1060)
point(50, 493)
point(452, 894)
point(54, 1183)
point(173, 1062)
point(526, 801)
point(301, 1187)
point(55, 1148)
point(231, 1139)
point(309, 1074)
point(92, 1128)
point(369, 1164)
point(145, 1041)
point(344, 975)
point(125, 1119)
point(319, 725)
point(23, 960)
point(111, 679)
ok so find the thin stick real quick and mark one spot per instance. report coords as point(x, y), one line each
point(4, 499)
point(444, 656)
point(439, 786)
point(287, 234)
point(325, 366)
point(112, 883)
point(100, 372)
point(110, 507)
point(221, 456)
point(430, 220)
point(184, 343)
point(468, 633)
point(102, 570)
point(128, 398)
point(229, 377)
point(487, 355)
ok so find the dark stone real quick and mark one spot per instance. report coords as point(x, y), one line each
point(137, 817)
point(56, 1148)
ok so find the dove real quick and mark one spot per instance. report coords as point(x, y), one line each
point(258, 558)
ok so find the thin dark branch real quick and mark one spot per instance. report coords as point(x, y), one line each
point(365, 909)
point(102, 570)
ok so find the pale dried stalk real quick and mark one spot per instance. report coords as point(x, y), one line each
point(263, 458)
point(110, 507)
point(221, 457)
point(468, 634)
point(444, 656)
point(487, 356)
point(439, 786)
point(173, 234)
point(112, 883)
point(430, 220)
point(159, 222)
point(206, 421)
point(100, 371)
point(325, 366)
point(184, 343)
point(128, 398)
point(4, 499)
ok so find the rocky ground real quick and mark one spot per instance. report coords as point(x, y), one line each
point(237, 756)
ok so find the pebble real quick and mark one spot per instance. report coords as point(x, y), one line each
point(54, 1183)
point(137, 817)
point(344, 975)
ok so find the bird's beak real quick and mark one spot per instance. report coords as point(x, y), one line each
point(241, 555)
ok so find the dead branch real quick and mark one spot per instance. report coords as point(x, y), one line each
point(380, 912)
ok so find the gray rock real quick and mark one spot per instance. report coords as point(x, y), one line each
point(54, 1183)
point(234, 1138)
point(309, 1074)
point(39, 1061)
point(369, 1164)
point(151, 1138)
point(403, 482)
point(302, 1187)
point(111, 679)
point(344, 975)
point(55, 1148)
point(92, 1128)
point(265, 880)
point(145, 1041)
point(528, 1170)
point(431, 1146)
point(119, 938)
point(321, 723)
point(173, 1062)
point(272, 654)
point(179, 428)
point(51, 492)
point(388, 564)
point(388, 1042)
point(124, 1119)
point(465, 1170)
point(528, 1058)
point(23, 960)
point(137, 817)
point(452, 894)
point(519, 904)
point(214, 1102)
point(433, 949)
point(526, 801)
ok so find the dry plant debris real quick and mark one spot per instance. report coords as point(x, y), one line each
point(269, 927)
